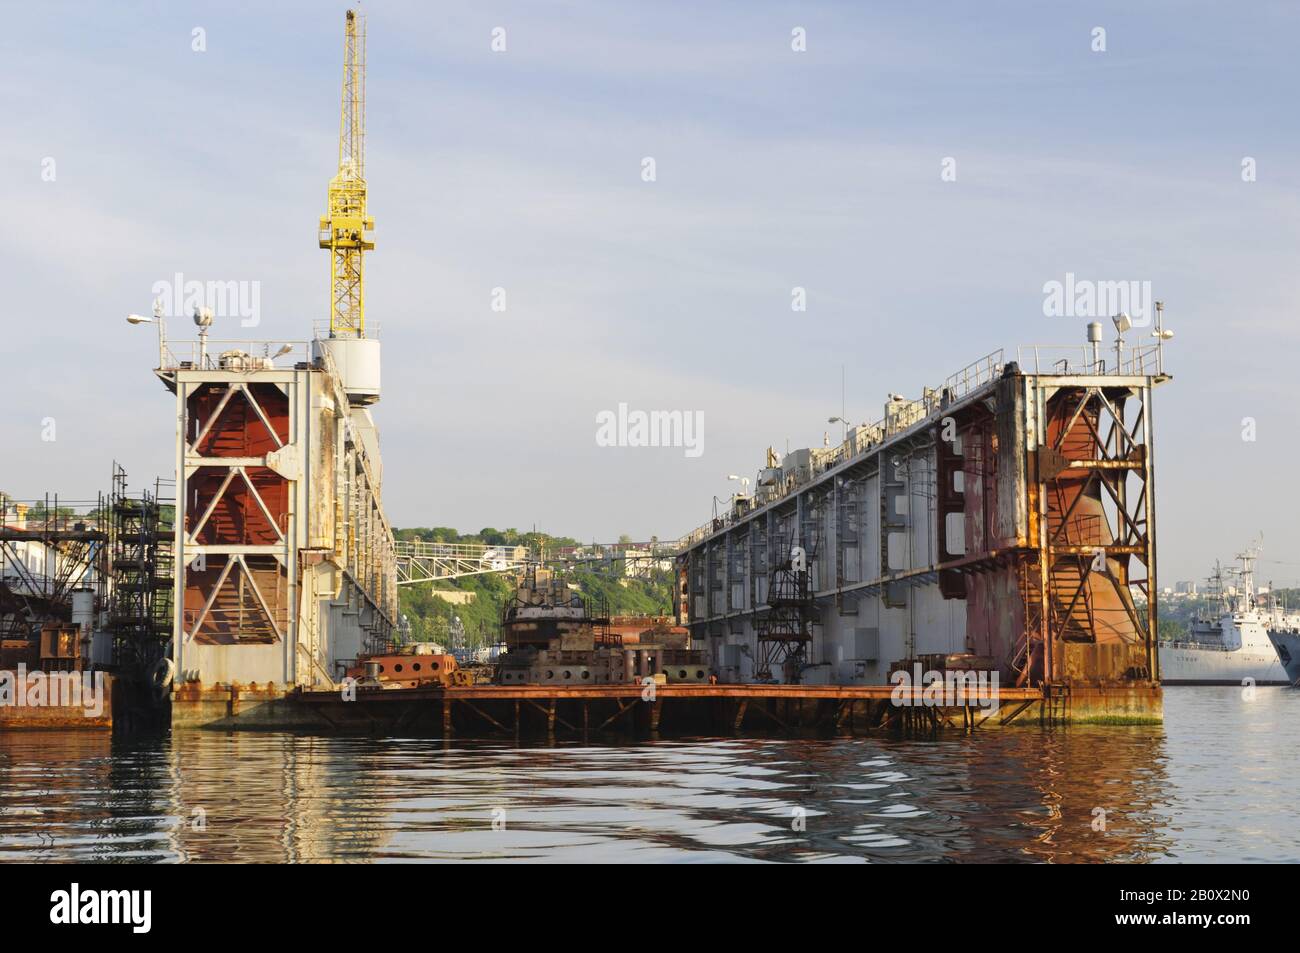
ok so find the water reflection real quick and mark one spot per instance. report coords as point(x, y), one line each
point(1215, 783)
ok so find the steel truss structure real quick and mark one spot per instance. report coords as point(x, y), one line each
point(1096, 515)
point(419, 561)
point(72, 537)
point(284, 556)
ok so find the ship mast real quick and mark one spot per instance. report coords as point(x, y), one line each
point(1214, 590)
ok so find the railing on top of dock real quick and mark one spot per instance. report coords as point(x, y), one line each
point(207, 354)
point(901, 415)
point(1057, 359)
point(974, 375)
point(232, 355)
point(1143, 360)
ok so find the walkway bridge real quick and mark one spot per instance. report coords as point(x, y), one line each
point(419, 561)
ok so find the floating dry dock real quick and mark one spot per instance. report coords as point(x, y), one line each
point(1001, 526)
point(1004, 520)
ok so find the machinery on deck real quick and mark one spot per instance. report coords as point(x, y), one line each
point(553, 636)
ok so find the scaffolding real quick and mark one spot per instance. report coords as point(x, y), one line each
point(141, 545)
point(784, 630)
point(117, 547)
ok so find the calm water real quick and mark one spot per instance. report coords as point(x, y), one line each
point(1218, 782)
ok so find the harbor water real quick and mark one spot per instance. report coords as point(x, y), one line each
point(1215, 783)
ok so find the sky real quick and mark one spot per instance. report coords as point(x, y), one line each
point(129, 155)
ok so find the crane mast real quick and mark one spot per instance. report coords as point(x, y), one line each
point(344, 230)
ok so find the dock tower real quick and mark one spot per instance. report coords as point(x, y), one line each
point(285, 566)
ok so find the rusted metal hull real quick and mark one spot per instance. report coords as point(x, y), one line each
point(631, 711)
point(248, 707)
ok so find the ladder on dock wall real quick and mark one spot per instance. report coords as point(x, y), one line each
point(784, 631)
point(892, 489)
point(1030, 637)
point(1056, 705)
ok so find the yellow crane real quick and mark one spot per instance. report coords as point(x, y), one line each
point(345, 229)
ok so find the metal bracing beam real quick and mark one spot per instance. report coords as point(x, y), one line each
point(419, 561)
point(1115, 450)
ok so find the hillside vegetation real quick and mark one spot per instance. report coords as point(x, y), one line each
point(430, 616)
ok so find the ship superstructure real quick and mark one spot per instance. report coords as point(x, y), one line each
point(1230, 646)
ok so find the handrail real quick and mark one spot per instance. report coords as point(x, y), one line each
point(1141, 360)
point(421, 549)
point(1064, 359)
point(207, 355)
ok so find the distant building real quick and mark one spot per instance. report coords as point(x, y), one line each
point(640, 563)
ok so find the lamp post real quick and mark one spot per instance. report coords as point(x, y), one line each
point(1122, 323)
point(162, 329)
point(1161, 334)
point(844, 427)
